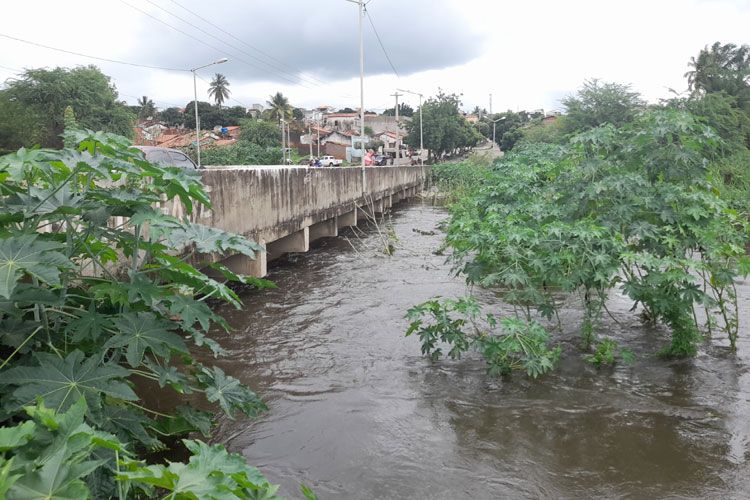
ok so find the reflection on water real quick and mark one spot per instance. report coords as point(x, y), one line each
point(357, 413)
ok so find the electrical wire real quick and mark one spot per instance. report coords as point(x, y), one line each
point(202, 42)
point(297, 72)
point(369, 17)
point(231, 98)
point(277, 69)
point(92, 57)
point(12, 69)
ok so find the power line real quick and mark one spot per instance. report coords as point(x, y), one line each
point(369, 17)
point(201, 41)
point(249, 45)
point(171, 104)
point(12, 69)
point(231, 98)
point(92, 57)
point(226, 43)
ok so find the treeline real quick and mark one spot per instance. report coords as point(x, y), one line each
point(718, 93)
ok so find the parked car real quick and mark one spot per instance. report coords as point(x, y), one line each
point(167, 156)
point(380, 160)
point(330, 161)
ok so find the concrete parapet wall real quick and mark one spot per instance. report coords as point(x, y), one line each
point(272, 203)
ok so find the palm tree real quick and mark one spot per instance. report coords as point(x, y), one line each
point(218, 89)
point(280, 109)
point(148, 108)
point(722, 67)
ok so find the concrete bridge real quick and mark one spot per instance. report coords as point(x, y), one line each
point(285, 208)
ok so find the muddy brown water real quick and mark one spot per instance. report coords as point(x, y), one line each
point(357, 413)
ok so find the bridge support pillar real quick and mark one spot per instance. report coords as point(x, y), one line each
point(325, 228)
point(242, 264)
point(295, 242)
point(347, 219)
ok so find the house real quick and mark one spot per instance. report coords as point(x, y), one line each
point(344, 121)
point(471, 118)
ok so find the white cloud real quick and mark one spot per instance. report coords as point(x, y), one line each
point(526, 54)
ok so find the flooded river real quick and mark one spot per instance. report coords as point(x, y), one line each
point(357, 413)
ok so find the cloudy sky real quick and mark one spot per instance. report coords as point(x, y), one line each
point(527, 53)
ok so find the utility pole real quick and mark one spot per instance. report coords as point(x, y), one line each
point(421, 136)
point(309, 135)
point(283, 145)
point(317, 115)
point(360, 3)
point(398, 149)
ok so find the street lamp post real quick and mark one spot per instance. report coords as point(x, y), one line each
point(361, 5)
point(195, 101)
point(421, 140)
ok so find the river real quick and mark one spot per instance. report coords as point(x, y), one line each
point(357, 413)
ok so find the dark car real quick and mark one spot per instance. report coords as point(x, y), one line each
point(380, 160)
point(167, 156)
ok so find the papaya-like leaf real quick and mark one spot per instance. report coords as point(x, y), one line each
point(26, 254)
point(61, 382)
point(141, 331)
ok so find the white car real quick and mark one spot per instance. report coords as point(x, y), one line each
point(330, 161)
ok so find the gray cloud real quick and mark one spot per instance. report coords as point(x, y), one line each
point(303, 41)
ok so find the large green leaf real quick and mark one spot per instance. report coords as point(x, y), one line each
point(24, 254)
point(13, 437)
point(61, 382)
point(55, 480)
point(208, 239)
point(230, 393)
point(141, 331)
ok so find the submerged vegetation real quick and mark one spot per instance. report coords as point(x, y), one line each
point(634, 208)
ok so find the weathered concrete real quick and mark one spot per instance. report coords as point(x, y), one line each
point(284, 208)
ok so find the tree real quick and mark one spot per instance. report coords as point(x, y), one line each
point(403, 110)
point(280, 109)
point(597, 103)
point(146, 107)
point(347, 110)
point(172, 117)
point(38, 99)
point(721, 68)
point(444, 128)
point(263, 134)
point(298, 114)
point(219, 89)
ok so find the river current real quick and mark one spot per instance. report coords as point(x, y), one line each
point(355, 411)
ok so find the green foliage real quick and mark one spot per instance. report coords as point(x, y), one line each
point(445, 130)
point(39, 97)
point(722, 68)
point(219, 89)
point(518, 345)
point(632, 207)
point(549, 133)
point(241, 153)
point(171, 117)
point(459, 179)
point(597, 103)
point(280, 109)
point(263, 134)
point(212, 116)
point(89, 307)
point(403, 110)
point(604, 354)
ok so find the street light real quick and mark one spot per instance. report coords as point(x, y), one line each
point(421, 142)
point(195, 101)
